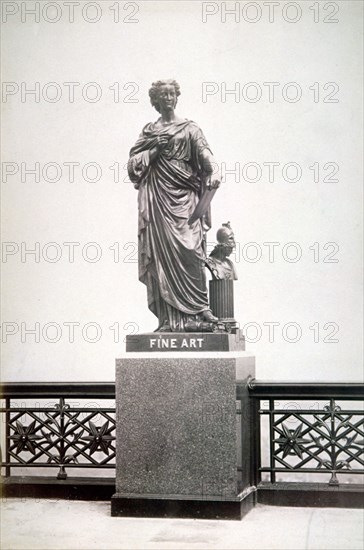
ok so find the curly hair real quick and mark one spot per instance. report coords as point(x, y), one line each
point(154, 91)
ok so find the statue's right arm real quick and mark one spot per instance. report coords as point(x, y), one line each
point(162, 142)
point(138, 165)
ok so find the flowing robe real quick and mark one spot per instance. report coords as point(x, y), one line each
point(171, 253)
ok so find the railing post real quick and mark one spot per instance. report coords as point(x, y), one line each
point(255, 454)
point(271, 441)
point(62, 474)
point(7, 437)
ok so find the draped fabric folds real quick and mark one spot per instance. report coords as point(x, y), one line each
point(171, 253)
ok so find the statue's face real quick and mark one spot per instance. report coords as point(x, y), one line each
point(229, 242)
point(167, 97)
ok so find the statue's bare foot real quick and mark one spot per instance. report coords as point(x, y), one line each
point(208, 316)
point(165, 328)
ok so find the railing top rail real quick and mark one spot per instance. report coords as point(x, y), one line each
point(306, 390)
point(57, 389)
point(257, 388)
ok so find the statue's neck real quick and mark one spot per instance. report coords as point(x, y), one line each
point(219, 253)
point(168, 117)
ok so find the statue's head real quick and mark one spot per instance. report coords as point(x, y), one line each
point(225, 238)
point(165, 91)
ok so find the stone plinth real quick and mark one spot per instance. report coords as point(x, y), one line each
point(177, 440)
point(185, 341)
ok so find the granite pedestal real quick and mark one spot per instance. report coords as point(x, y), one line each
point(178, 439)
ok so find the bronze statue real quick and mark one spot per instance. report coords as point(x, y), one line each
point(221, 285)
point(218, 262)
point(171, 165)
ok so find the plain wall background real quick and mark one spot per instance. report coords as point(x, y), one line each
point(171, 41)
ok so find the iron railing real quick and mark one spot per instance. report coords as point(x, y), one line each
point(286, 429)
point(306, 429)
point(56, 425)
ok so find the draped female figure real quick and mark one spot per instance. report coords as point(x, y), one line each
point(170, 165)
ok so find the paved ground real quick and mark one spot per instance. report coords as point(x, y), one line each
point(70, 525)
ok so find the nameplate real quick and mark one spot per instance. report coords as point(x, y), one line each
point(185, 341)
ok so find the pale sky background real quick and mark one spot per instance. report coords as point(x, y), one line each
point(171, 41)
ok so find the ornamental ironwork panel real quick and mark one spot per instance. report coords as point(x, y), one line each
point(59, 435)
point(311, 440)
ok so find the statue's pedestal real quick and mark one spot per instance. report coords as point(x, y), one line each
point(178, 441)
point(185, 341)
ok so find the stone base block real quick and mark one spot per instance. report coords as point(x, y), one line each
point(147, 506)
point(178, 441)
